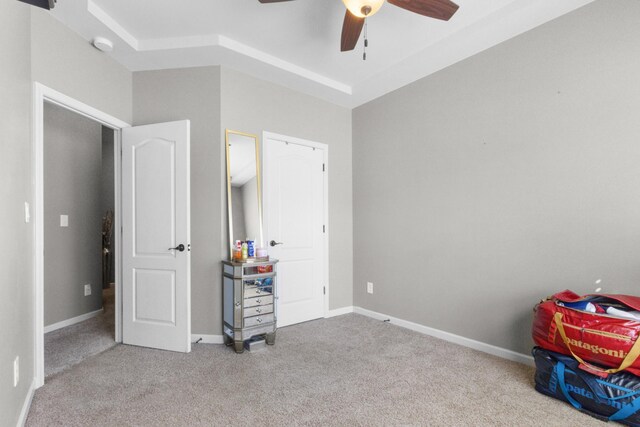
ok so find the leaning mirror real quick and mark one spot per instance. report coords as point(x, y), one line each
point(243, 188)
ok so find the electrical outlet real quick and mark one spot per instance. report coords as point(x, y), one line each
point(87, 289)
point(369, 287)
point(16, 371)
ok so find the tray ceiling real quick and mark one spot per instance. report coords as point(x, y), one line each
point(297, 43)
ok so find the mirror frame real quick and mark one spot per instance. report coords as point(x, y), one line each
point(228, 132)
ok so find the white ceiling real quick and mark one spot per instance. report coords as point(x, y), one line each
point(296, 43)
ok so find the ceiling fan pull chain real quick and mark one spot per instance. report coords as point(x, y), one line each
point(366, 42)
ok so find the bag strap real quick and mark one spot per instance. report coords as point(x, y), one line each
point(626, 411)
point(628, 360)
point(559, 369)
point(622, 414)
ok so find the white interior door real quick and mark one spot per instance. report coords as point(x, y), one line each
point(156, 303)
point(294, 213)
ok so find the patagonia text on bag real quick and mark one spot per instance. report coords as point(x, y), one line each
point(616, 398)
point(592, 330)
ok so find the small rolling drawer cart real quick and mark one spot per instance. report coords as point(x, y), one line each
point(249, 290)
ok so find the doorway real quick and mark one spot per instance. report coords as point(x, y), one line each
point(296, 225)
point(151, 217)
point(79, 201)
point(47, 96)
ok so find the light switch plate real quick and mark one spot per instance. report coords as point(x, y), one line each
point(64, 220)
point(27, 212)
point(87, 289)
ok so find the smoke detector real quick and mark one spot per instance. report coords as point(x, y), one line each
point(103, 44)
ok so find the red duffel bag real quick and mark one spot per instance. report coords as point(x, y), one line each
point(591, 338)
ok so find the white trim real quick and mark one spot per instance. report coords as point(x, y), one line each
point(447, 336)
point(42, 93)
point(276, 62)
point(112, 24)
point(339, 312)
point(448, 47)
point(72, 321)
point(294, 140)
point(212, 40)
point(207, 339)
point(117, 227)
point(218, 40)
point(325, 250)
point(24, 413)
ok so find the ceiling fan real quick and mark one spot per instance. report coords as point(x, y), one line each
point(359, 10)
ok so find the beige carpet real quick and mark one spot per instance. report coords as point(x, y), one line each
point(69, 346)
point(347, 370)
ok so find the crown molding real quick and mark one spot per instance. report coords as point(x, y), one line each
point(492, 29)
point(212, 40)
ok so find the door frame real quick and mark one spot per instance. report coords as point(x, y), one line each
point(325, 179)
point(42, 94)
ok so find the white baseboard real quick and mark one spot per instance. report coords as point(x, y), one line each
point(207, 339)
point(27, 404)
point(339, 311)
point(447, 336)
point(72, 321)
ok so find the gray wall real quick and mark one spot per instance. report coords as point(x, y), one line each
point(64, 61)
point(253, 106)
point(215, 99)
point(504, 178)
point(194, 94)
point(16, 267)
point(249, 204)
point(73, 187)
point(37, 47)
point(237, 210)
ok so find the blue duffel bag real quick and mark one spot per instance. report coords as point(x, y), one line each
point(616, 398)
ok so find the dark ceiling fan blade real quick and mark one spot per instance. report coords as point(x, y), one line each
point(438, 9)
point(272, 1)
point(45, 4)
point(351, 29)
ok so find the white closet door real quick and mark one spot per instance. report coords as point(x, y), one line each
point(294, 211)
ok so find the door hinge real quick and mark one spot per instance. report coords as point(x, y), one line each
point(323, 167)
point(323, 229)
point(324, 290)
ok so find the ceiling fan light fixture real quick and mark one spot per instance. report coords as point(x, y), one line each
point(363, 8)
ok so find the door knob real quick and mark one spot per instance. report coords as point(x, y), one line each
point(180, 248)
point(273, 243)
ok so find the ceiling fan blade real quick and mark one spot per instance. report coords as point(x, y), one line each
point(351, 29)
point(45, 4)
point(272, 1)
point(438, 9)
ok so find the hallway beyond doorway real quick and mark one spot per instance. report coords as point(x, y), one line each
point(69, 346)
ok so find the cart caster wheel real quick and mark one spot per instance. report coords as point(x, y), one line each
point(271, 338)
point(238, 346)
